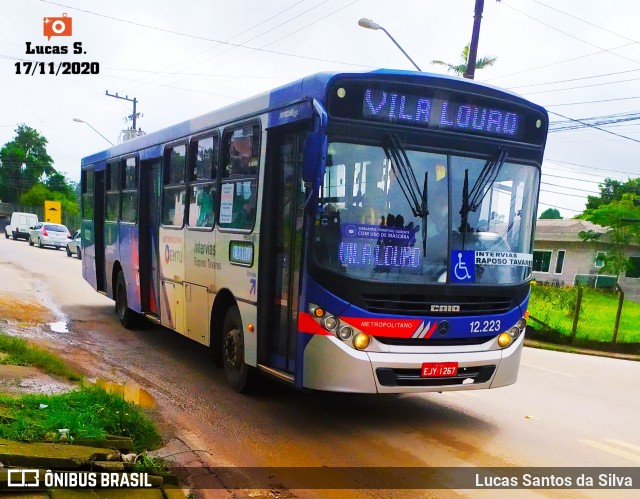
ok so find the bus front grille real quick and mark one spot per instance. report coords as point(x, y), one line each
point(433, 342)
point(445, 306)
point(411, 377)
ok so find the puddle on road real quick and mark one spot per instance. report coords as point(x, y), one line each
point(131, 392)
point(59, 327)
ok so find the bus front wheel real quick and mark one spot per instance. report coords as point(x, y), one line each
point(239, 375)
point(125, 314)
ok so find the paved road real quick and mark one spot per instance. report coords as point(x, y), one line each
point(565, 410)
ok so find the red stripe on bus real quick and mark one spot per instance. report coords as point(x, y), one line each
point(431, 330)
point(394, 328)
point(306, 324)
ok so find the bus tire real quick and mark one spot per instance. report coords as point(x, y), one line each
point(239, 375)
point(128, 317)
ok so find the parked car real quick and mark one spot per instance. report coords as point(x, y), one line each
point(74, 246)
point(48, 234)
point(19, 225)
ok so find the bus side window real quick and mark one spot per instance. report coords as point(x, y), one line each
point(203, 161)
point(239, 190)
point(174, 191)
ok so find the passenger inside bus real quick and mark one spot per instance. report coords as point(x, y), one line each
point(374, 207)
point(245, 216)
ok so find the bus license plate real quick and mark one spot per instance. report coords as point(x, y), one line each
point(439, 369)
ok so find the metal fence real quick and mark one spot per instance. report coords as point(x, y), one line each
point(584, 314)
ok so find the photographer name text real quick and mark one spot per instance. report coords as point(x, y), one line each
point(602, 480)
point(56, 68)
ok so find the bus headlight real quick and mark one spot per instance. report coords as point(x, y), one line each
point(514, 332)
point(361, 341)
point(345, 332)
point(504, 340)
point(330, 323)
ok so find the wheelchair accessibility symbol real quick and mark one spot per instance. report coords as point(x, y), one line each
point(463, 267)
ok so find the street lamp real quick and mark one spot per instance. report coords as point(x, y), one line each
point(78, 120)
point(369, 24)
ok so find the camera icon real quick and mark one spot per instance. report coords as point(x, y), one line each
point(57, 26)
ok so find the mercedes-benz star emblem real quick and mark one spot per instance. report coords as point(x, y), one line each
point(443, 328)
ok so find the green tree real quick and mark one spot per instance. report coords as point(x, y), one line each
point(24, 162)
point(39, 193)
point(550, 214)
point(617, 216)
point(612, 190)
point(461, 67)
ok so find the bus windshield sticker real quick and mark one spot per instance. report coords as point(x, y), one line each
point(396, 234)
point(504, 258)
point(462, 268)
point(226, 203)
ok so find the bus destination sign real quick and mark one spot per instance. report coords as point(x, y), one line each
point(441, 113)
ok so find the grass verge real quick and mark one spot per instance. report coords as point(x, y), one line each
point(555, 308)
point(88, 413)
point(21, 353)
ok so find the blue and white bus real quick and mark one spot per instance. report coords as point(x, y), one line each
point(356, 232)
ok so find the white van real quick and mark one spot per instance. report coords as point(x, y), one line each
point(19, 225)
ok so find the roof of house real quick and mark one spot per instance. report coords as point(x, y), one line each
point(566, 230)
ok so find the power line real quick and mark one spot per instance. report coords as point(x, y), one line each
point(596, 127)
point(591, 101)
point(572, 188)
point(559, 62)
point(589, 167)
point(572, 178)
point(563, 193)
point(237, 36)
point(294, 32)
point(586, 22)
point(569, 34)
point(575, 79)
point(611, 119)
point(560, 207)
point(197, 37)
point(581, 86)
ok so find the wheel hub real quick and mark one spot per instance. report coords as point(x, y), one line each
point(232, 348)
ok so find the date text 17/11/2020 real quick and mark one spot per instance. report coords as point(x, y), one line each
point(53, 68)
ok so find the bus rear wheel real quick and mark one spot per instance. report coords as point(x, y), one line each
point(239, 375)
point(128, 317)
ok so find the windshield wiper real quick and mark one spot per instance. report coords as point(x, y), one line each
point(417, 200)
point(471, 200)
point(399, 162)
point(425, 213)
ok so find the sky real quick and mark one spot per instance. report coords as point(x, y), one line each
point(581, 60)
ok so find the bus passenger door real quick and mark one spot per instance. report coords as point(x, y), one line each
point(98, 230)
point(280, 249)
point(150, 189)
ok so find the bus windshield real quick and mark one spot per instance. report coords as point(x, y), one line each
point(396, 216)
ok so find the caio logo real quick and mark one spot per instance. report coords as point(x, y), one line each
point(57, 26)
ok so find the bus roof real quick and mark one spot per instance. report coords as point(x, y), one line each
point(309, 87)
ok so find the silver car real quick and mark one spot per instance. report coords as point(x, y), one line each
point(74, 246)
point(48, 234)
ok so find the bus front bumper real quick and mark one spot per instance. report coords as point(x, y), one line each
point(331, 365)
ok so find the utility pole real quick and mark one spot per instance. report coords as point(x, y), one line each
point(475, 35)
point(126, 97)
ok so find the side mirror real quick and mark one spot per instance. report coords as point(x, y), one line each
point(314, 157)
